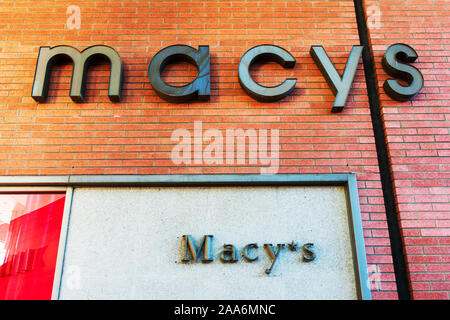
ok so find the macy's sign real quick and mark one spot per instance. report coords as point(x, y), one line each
point(395, 62)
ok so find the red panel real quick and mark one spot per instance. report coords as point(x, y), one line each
point(29, 244)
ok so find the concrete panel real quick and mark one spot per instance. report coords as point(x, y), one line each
point(126, 243)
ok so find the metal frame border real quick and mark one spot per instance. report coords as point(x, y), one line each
point(73, 181)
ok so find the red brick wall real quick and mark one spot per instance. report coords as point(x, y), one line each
point(419, 138)
point(133, 136)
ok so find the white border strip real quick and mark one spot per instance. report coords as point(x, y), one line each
point(32, 183)
point(62, 244)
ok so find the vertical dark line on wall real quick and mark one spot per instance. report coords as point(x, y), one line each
point(397, 247)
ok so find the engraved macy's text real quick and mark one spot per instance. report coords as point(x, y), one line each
point(229, 254)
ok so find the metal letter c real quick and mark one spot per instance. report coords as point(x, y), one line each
point(266, 53)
